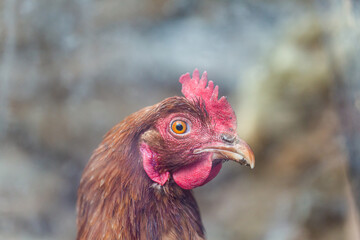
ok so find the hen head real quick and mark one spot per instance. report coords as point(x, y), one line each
point(192, 136)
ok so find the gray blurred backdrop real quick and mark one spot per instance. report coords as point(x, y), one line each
point(71, 69)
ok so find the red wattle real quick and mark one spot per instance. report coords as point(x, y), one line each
point(196, 174)
point(214, 172)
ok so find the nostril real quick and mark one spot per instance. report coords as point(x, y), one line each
point(227, 138)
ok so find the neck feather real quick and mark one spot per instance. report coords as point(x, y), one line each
point(117, 200)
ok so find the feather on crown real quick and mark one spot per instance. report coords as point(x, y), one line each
point(219, 110)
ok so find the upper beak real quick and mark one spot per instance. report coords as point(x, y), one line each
point(239, 151)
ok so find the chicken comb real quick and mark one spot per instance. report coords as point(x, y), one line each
point(219, 110)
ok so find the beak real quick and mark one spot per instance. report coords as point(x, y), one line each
point(239, 151)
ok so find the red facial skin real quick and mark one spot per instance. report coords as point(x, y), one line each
point(195, 170)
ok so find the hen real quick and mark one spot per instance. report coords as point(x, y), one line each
point(137, 184)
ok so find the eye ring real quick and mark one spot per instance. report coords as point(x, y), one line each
point(179, 127)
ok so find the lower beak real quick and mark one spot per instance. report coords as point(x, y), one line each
point(239, 152)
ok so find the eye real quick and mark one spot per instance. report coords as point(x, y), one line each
point(179, 127)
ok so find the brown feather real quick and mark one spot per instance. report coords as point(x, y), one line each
point(117, 200)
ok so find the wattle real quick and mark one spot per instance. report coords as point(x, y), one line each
point(197, 174)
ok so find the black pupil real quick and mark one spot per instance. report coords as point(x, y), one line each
point(179, 127)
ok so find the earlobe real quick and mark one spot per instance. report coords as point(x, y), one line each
point(150, 163)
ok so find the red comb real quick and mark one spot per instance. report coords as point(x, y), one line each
point(219, 109)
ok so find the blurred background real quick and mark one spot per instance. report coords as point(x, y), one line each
point(71, 69)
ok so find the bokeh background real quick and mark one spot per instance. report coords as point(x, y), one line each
point(71, 69)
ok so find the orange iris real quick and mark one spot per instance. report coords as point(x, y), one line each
point(179, 127)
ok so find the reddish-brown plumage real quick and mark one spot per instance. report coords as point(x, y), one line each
point(121, 196)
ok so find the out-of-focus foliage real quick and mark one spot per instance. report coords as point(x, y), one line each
point(71, 69)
